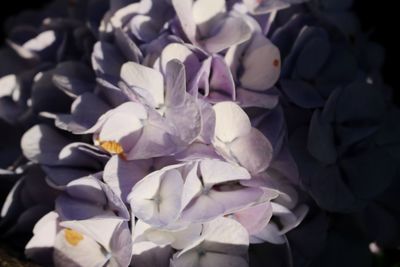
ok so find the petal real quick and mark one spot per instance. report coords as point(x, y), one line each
point(175, 83)
point(183, 10)
point(234, 200)
point(74, 78)
point(40, 247)
point(106, 60)
point(206, 14)
point(140, 198)
point(42, 144)
point(85, 111)
point(73, 248)
point(202, 209)
point(217, 171)
point(46, 97)
point(157, 139)
point(148, 254)
point(221, 80)
point(121, 245)
point(144, 28)
point(8, 84)
point(233, 31)
point(208, 119)
point(108, 233)
point(255, 218)
point(269, 234)
point(182, 53)
point(183, 238)
point(252, 151)
point(74, 209)
point(124, 125)
point(121, 175)
point(261, 63)
point(41, 41)
point(136, 75)
point(188, 127)
point(192, 186)
point(226, 231)
point(247, 98)
point(170, 196)
point(212, 204)
point(231, 121)
point(127, 46)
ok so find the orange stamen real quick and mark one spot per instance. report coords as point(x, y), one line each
point(73, 237)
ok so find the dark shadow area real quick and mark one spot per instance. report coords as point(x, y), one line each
point(14, 8)
point(380, 20)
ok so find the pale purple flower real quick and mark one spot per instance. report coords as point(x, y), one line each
point(191, 192)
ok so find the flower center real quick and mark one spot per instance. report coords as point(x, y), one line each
point(73, 237)
point(112, 147)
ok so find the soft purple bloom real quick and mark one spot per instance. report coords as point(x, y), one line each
point(167, 129)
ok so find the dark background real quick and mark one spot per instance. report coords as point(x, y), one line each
point(379, 17)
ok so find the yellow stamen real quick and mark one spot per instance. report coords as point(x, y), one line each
point(73, 237)
point(112, 147)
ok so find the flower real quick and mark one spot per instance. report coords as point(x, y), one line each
point(161, 133)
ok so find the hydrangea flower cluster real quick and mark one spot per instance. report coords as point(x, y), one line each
point(196, 133)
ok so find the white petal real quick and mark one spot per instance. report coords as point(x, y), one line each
point(226, 231)
point(170, 194)
point(75, 249)
point(261, 64)
point(8, 84)
point(136, 75)
point(100, 230)
point(204, 10)
point(192, 186)
point(183, 10)
point(234, 30)
point(202, 209)
point(252, 151)
point(231, 121)
point(121, 175)
point(40, 42)
point(216, 171)
point(206, 14)
point(182, 53)
point(142, 194)
point(45, 232)
point(122, 125)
